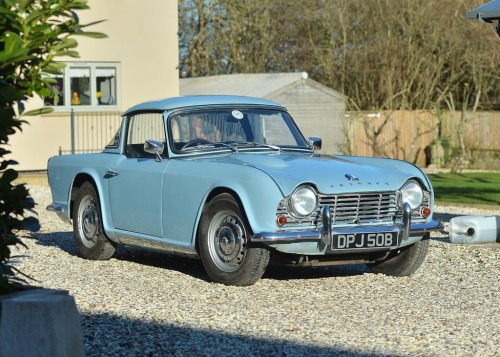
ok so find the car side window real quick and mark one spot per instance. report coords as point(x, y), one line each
point(142, 127)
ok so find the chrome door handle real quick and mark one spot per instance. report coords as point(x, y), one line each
point(111, 173)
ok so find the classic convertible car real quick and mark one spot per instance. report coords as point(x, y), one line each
point(232, 180)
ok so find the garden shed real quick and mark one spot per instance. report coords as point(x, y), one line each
point(317, 110)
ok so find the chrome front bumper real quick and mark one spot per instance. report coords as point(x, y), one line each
point(325, 232)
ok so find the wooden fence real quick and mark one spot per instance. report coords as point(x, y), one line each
point(412, 135)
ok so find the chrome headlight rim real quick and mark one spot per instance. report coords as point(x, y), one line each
point(303, 202)
point(411, 193)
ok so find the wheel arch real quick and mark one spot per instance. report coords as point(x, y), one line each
point(213, 194)
point(78, 181)
point(220, 190)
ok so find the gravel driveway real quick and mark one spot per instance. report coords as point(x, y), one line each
point(148, 304)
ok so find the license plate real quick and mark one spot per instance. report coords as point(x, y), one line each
point(365, 240)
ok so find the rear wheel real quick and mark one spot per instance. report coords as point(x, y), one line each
point(224, 244)
point(402, 262)
point(87, 225)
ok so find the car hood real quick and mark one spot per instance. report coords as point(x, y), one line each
point(331, 174)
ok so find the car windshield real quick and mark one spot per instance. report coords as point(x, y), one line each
point(234, 128)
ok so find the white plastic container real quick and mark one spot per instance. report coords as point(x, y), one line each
point(475, 229)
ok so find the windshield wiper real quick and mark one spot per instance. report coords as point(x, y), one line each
point(229, 146)
point(254, 144)
point(212, 145)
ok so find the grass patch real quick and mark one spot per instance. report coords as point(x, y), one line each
point(477, 187)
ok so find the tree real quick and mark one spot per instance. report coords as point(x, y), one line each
point(226, 36)
point(382, 54)
point(33, 34)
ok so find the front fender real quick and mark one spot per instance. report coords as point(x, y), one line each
point(259, 202)
point(186, 191)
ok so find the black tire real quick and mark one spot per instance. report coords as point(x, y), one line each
point(87, 225)
point(404, 261)
point(224, 244)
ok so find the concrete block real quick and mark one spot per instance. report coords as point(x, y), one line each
point(40, 322)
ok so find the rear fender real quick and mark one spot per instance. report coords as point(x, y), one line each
point(94, 177)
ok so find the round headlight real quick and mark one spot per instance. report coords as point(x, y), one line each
point(412, 193)
point(303, 202)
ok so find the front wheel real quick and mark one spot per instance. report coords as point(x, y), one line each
point(224, 244)
point(87, 225)
point(402, 262)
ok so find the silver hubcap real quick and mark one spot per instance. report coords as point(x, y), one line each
point(88, 221)
point(227, 241)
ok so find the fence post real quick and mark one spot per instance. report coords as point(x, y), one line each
point(72, 131)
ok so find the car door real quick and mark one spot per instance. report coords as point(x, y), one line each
point(136, 182)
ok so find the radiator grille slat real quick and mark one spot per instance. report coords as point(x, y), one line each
point(362, 208)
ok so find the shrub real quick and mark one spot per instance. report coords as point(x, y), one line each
point(33, 33)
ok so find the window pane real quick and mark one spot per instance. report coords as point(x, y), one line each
point(87, 84)
point(269, 127)
point(80, 85)
point(115, 140)
point(141, 128)
point(106, 86)
point(274, 130)
point(57, 96)
point(146, 126)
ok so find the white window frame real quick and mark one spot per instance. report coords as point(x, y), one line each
point(94, 106)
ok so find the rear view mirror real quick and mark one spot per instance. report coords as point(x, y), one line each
point(315, 143)
point(154, 147)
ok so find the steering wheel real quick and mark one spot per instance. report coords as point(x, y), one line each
point(195, 142)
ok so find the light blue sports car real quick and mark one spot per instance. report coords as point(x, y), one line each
point(231, 180)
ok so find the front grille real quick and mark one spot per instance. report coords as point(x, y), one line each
point(357, 209)
point(361, 209)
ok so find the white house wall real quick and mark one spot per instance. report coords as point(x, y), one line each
point(142, 38)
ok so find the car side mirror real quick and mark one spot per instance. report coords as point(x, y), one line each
point(315, 143)
point(154, 147)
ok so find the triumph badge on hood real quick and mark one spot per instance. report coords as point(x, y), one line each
point(351, 177)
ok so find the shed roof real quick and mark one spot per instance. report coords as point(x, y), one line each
point(262, 85)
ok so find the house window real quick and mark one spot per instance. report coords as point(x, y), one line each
point(86, 85)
